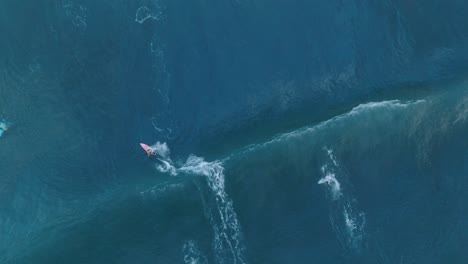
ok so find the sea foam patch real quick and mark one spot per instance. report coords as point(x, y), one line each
point(3, 127)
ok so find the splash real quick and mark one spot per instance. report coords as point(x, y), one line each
point(332, 182)
point(346, 219)
point(192, 254)
point(162, 150)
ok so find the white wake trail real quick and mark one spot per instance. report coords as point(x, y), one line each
point(226, 227)
point(228, 246)
point(192, 254)
point(347, 220)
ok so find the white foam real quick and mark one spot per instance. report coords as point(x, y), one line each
point(161, 149)
point(3, 127)
point(143, 13)
point(166, 167)
point(346, 219)
point(226, 226)
point(392, 104)
point(333, 183)
point(331, 156)
point(192, 254)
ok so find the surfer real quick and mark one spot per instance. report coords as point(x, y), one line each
point(149, 150)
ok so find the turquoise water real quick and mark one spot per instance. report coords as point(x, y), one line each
point(288, 131)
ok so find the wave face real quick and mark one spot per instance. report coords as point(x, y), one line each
point(287, 131)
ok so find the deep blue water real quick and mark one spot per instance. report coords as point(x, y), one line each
point(306, 131)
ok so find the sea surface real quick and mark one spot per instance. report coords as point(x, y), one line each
point(288, 131)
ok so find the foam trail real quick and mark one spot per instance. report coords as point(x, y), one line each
point(192, 254)
point(228, 244)
point(346, 219)
point(228, 239)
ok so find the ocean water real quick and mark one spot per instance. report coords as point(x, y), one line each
point(288, 131)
